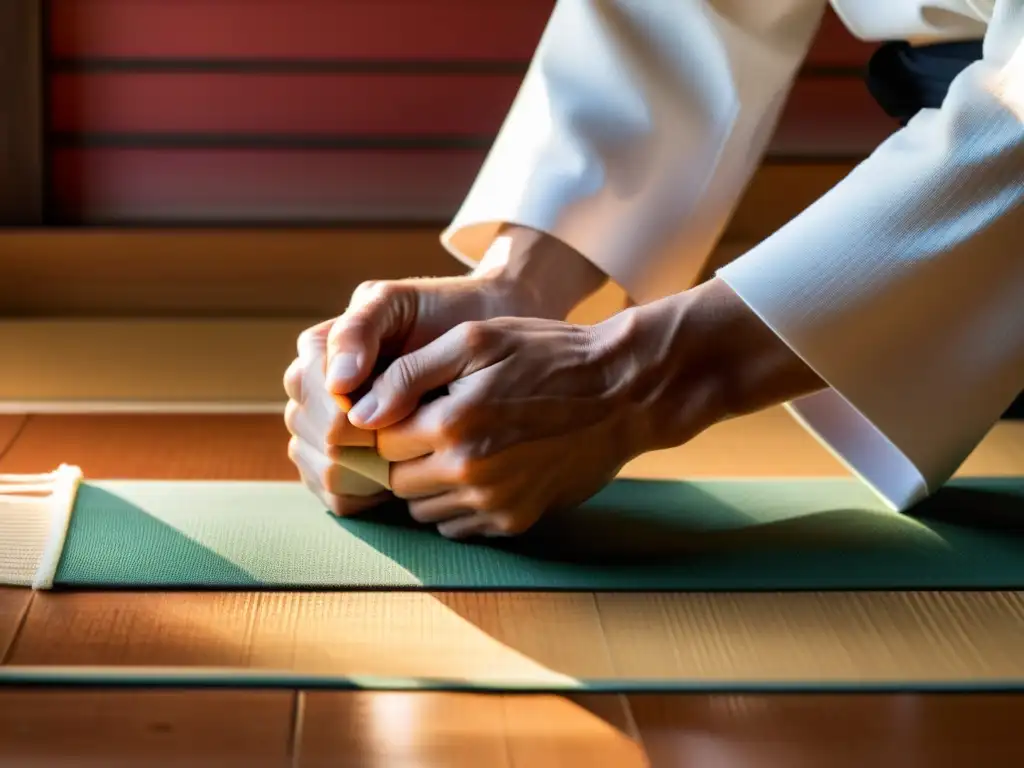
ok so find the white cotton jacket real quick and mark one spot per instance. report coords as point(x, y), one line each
point(640, 123)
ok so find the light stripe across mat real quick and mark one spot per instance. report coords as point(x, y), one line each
point(635, 535)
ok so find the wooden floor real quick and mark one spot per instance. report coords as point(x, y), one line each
point(228, 728)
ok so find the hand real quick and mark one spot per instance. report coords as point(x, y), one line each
point(523, 274)
point(396, 316)
point(540, 415)
point(316, 422)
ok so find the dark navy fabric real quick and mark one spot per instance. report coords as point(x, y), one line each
point(905, 79)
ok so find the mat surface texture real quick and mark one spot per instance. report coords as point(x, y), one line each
point(814, 534)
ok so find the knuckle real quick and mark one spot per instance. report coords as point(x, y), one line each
point(507, 524)
point(476, 335)
point(291, 416)
point(293, 379)
point(293, 450)
point(373, 292)
point(485, 499)
point(419, 512)
point(452, 424)
point(401, 374)
point(463, 470)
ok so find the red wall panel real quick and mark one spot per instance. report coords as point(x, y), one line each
point(259, 185)
point(830, 116)
point(504, 30)
point(281, 104)
point(298, 29)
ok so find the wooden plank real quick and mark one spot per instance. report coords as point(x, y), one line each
point(206, 273)
point(209, 729)
point(837, 636)
point(10, 427)
point(727, 727)
point(200, 447)
point(21, 113)
point(241, 447)
point(404, 634)
point(225, 274)
point(824, 116)
point(251, 447)
point(430, 729)
point(310, 29)
point(807, 731)
point(225, 363)
point(13, 607)
point(543, 639)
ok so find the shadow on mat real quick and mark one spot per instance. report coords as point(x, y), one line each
point(107, 523)
point(637, 521)
point(675, 535)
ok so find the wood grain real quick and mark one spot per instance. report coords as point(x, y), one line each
point(676, 730)
point(254, 447)
point(13, 607)
point(10, 426)
point(543, 639)
point(21, 113)
point(143, 273)
point(155, 447)
point(808, 731)
point(790, 636)
point(152, 728)
point(430, 729)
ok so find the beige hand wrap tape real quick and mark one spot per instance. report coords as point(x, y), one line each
point(366, 473)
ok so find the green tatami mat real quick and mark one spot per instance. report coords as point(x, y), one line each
point(636, 535)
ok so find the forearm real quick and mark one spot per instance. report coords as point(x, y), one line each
point(549, 277)
point(697, 358)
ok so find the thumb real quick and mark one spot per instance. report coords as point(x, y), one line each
point(395, 394)
point(379, 314)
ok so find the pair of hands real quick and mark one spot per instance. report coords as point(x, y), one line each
point(491, 413)
point(532, 414)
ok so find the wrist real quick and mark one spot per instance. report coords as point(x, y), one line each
point(536, 274)
point(697, 358)
point(652, 357)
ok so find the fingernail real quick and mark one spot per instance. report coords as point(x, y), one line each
point(364, 410)
point(344, 367)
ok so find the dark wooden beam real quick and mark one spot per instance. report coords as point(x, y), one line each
point(21, 113)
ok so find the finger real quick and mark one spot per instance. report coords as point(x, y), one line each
point(437, 509)
point(426, 476)
point(396, 393)
point(320, 419)
point(464, 527)
point(324, 426)
point(417, 436)
point(379, 312)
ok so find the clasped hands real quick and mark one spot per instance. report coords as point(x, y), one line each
point(493, 411)
point(487, 425)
